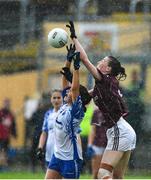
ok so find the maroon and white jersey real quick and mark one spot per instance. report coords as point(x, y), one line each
point(100, 138)
point(107, 97)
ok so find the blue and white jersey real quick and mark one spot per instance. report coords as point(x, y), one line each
point(48, 127)
point(66, 130)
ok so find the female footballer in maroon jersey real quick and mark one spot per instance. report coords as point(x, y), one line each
point(106, 95)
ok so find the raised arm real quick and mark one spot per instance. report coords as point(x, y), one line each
point(75, 80)
point(83, 56)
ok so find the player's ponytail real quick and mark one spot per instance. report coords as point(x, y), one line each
point(85, 96)
point(122, 75)
point(117, 70)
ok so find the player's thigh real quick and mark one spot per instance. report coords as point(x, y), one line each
point(52, 174)
point(112, 157)
point(120, 169)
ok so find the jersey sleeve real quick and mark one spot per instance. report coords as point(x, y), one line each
point(78, 131)
point(64, 92)
point(77, 109)
point(45, 123)
point(77, 114)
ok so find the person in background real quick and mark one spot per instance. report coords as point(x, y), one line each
point(30, 106)
point(97, 141)
point(37, 123)
point(7, 129)
point(133, 94)
point(85, 131)
point(47, 135)
point(136, 83)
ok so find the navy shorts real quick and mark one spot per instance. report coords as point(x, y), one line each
point(69, 169)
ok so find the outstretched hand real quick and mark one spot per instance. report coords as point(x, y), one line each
point(67, 73)
point(72, 29)
point(70, 52)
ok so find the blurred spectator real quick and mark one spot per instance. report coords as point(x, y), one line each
point(85, 127)
point(46, 99)
point(37, 122)
point(136, 83)
point(7, 128)
point(97, 142)
point(30, 106)
point(136, 112)
point(136, 106)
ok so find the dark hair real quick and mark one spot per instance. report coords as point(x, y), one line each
point(85, 96)
point(117, 70)
point(56, 90)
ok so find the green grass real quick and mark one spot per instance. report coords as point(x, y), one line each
point(40, 175)
point(21, 175)
point(138, 174)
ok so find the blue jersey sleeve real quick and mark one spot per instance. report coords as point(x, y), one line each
point(45, 123)
point(77, 109)
point(78, 131)
point(64, 92)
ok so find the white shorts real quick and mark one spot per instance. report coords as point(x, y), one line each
point(98, 150)
point(121, 137)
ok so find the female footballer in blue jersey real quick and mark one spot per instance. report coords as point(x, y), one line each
point(47, 135)
point(67, 158)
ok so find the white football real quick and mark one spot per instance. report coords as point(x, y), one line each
point(57, 38)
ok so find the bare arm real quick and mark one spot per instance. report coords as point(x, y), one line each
point(79, 139)
point(91, 135)
point(75, 85)
point(84, 58)
point(42, 140)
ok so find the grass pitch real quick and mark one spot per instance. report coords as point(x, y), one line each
point(40, 175)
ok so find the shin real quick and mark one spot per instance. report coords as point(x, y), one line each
point(105, 171)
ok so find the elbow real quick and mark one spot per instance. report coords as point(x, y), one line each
point(74, 88)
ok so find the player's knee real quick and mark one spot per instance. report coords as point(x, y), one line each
point(105, 171)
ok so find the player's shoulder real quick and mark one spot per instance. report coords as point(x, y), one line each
point(78, 99)
point(48, 112)
point(64, 106)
